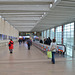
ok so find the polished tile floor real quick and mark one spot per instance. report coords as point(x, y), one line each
point(33, 62)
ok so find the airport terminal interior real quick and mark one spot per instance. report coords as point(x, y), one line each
point(32, 22)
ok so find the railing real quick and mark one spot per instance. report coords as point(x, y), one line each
point(43, 47)
point(5, 42)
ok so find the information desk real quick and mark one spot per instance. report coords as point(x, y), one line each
point(43, 47)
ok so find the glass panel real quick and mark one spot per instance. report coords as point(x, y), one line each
point(4, 37)
point(42, 34)
point(68, 37)
point(59, 35)
point(47, 33)
point(52, 33)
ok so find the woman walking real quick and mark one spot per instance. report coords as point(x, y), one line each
point(53, 48)
point(10, 44)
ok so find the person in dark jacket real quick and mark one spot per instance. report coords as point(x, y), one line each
point(10, 44)
point(29, 43)
point(45, 41)
point(49, 41)
point(41, 41)
point(20, 41)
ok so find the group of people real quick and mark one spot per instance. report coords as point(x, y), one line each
point(53, 46)
point(21, 40)
point(47, 41)
point(11, 43)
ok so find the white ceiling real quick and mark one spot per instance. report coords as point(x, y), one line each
point(36, 15)
point(63, 11)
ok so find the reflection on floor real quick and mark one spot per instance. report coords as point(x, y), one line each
point(33, 62)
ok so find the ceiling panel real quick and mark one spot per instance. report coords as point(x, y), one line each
point(24, 14)
point(37, 15)
point(63, 11)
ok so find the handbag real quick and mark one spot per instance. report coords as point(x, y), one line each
point(52, 48)
point(49, 54)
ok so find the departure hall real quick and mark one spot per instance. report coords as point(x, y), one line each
point(37, 37)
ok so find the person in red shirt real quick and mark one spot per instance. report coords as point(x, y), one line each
point(10, 44)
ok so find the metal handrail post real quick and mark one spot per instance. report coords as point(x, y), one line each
point(72, 51)
point(73, 48)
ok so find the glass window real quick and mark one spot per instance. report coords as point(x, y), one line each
point(59, 35)
point(47, 33)
point(68, 37)
point(52, 33)
point(42, 34)
point(4, 37)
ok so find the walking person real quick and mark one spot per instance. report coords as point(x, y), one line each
point(10, 44)
point(29, 43)
point(49, 41)
point(53, 48)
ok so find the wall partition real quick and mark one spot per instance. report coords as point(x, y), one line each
point(7, 30)
point(68, 37)
point(59, 35)
point(52, 33)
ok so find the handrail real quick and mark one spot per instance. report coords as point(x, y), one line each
point(73, 49)
point(73, 46)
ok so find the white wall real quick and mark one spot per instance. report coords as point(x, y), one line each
point(7, 29)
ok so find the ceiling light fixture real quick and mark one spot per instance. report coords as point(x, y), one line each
point(50, 5)
point(44, 13)
point(24, 26)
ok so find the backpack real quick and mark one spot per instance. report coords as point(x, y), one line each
point(9, 45)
